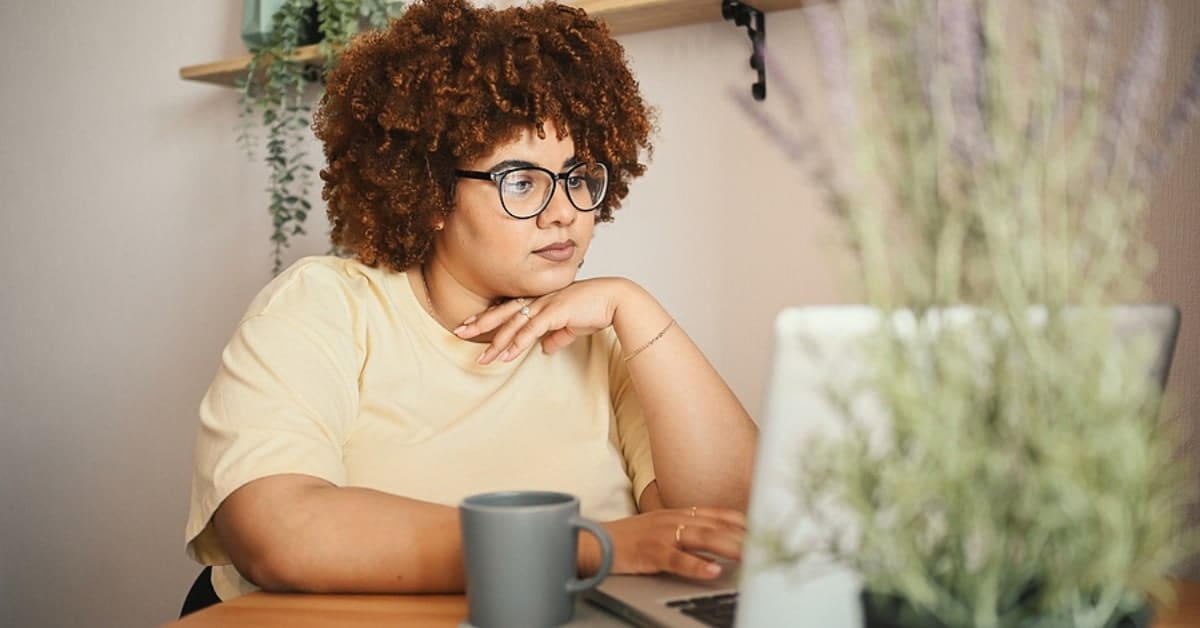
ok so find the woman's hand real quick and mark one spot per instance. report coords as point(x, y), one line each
point(557, 319)
point(646, 543)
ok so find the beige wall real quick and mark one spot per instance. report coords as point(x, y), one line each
point(722, 228)
point(132, 235)
point(1174, 229)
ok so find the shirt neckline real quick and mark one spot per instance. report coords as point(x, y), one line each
point(462, 352)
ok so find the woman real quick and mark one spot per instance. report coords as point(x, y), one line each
point(470, 153)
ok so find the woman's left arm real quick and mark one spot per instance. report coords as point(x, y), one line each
point(702, 438)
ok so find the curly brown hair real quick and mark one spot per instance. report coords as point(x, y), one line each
point(446, 84)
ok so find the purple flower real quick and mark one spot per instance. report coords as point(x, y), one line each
point(962, 56)
point(825, 24)
point(1183, 113)
point(1135, 85)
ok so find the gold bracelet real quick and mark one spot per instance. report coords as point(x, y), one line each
point(652, 341)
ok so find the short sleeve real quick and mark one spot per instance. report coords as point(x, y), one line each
point(284, 398)
point(633, 438)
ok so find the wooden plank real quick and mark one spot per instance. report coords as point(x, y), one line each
point(226, 72)
point(635, 16)
point(622, 16)
point(344, 611)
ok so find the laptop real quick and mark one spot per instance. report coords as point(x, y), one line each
point(813, 348)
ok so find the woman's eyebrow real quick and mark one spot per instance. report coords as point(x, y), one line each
point(509, 164)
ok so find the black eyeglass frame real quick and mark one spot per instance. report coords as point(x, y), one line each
point(555, 177)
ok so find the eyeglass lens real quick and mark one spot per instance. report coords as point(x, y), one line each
point(526, 191)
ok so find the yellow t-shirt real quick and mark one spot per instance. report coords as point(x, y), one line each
point(337, 371)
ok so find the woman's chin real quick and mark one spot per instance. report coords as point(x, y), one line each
point(552, 281)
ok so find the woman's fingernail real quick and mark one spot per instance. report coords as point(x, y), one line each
point(713, 568)
point(469, 320)
point(458, 330)
point(504, 356)
point(479, 360)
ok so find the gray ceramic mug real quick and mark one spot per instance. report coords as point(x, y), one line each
point(519, 550)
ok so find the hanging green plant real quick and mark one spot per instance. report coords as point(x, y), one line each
point(275, 95)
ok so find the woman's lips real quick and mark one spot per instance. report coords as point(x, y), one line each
point(557, 252)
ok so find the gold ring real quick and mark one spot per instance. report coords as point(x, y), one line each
point(693, 511)
point(678, 531)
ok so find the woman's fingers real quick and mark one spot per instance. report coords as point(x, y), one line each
point(546, 322)
point(691, 566)
point(687, 552)
point(505, 319)
point(551, 325)
point(511, 343)
point(512, 338)
point(682, 541)
point(713, 538)
point(492, 318)
point(556, 319)
point(558, 339)
point(735, 518)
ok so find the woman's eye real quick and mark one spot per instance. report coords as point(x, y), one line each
point(516, 185)
point(576, 182)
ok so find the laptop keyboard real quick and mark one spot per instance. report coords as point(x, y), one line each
point(712, 610)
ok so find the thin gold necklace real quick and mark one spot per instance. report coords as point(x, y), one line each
point(428, 296)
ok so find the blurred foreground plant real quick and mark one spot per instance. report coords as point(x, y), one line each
point(1023, 477)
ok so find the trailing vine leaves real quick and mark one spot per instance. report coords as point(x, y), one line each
point(274, 93)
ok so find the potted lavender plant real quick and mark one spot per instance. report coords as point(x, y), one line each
point(1023, 477)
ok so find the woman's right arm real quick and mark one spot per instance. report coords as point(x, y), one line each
point(270, 452)
point(300, 533)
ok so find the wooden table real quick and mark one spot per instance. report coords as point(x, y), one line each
point(300, 611)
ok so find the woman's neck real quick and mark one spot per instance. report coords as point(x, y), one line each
point(447, 300)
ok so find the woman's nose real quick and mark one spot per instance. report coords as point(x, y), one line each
point(559, 211)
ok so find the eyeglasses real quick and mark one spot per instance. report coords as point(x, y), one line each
point(525, 191)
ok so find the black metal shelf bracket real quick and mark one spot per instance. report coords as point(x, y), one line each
point(755, 22)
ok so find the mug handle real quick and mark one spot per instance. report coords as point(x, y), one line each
point(576, 585)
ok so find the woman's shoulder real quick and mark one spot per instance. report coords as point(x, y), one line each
point(323, 281)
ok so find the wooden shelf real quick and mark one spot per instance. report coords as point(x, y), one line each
point(622, 17)
point(227, 71)
point(635, 16)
